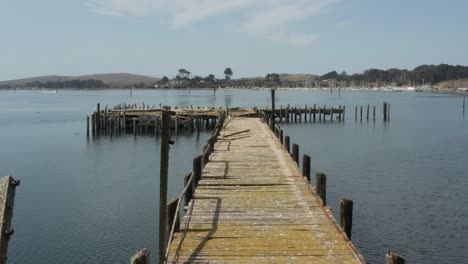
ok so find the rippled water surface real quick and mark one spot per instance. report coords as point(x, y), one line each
point(86, 201)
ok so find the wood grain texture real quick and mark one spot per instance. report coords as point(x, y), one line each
point(253, 206)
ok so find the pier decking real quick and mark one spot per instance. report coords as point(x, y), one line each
point(252, 205)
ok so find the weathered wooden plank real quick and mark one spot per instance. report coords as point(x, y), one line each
point(252, 205)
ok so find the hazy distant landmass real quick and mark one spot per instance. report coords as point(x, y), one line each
point(442, 76)
point(113, 80)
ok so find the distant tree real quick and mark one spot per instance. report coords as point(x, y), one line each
point(164, 80)
point(184, 73)
point(210, 78)
point(228, 73)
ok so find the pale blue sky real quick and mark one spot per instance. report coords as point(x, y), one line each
point(157, 37)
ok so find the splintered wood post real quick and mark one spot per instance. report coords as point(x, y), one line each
point(287, 143)
point(134, 126)
point(197, 167)
point(368, 112)
point(272, 117)
point(346, 216)
point(295, 153)
point(172, 214)
point(321, 186)
point(165, 141)
point(393, 258)
point(141, 257)
point(189, 193)
point(7, 199)
point(87, 126)
point(306, 166)
point(315, 111)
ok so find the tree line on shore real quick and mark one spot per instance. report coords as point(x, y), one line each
point(424, 74)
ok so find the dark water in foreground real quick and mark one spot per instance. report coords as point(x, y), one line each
point(96, 201)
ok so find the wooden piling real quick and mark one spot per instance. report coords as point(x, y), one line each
point(361, 114)
point(272, 117)
point(393, 258)
point(197, 168)
point(165, 141)
point(314, 112)
point(189, 193)
point(141, 257)
point(321, 186)
point(355, 114)
point(287, 143)
point(98, 118)
point(306, 166)
point(346, 216)
point(173, 214)
point(87, 126)
point(368, 112)
point(339, 113)
point(281, 136)
point(134, 124)
point(7, 200)
point(385, 111)
point(295, 153)
point(344, 111)
point(373, 114)
point(388, 112)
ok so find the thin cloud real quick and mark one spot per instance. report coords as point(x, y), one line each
point(269, 19)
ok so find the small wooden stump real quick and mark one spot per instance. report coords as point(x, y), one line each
point(295, 153)
point(140, 257)
point(393, 258)
point(287, 143)
point(306, 166)
point(321, 186)
point(346, 216)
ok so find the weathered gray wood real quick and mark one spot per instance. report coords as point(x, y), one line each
point(346, 216)
point(165, 140)
point(7, 198)
point(393, 258)
point(140, 257)
point(189, 193)
point(287, 143)
point(306, 166)
point(321, 186)
point(295, 153)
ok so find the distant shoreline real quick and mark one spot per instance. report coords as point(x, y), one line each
point(463, 91)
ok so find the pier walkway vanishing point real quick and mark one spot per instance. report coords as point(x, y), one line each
point(252, 205)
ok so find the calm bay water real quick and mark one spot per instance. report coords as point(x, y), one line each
point(86, 201)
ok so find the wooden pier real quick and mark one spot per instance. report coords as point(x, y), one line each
point(252, 205)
